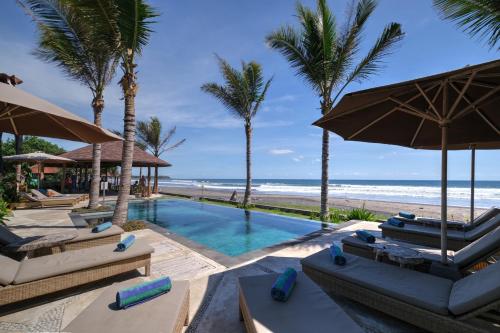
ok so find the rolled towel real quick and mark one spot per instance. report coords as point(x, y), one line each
point(396, 222)
point(365, 236)
point(142, 292)
point(407, 215)
point(284, 284)
point(102, 227)
point(337, 255)
point(126, 243)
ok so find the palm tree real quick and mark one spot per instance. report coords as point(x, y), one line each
point(134, 28)
point(476, 17)
point(325, 55)
point(242, 93)
point(83, 48)
point(150, 135)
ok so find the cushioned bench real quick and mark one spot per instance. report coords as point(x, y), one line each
point(308, 309)
point(44, 275)
point(164, 314)
point(432, 303)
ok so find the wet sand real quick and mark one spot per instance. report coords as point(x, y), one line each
point(380, 207)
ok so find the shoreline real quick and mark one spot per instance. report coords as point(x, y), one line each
point(379, 207)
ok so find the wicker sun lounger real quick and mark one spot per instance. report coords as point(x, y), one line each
point(431, 237)
point(48, 202)
point(54, 194)
point(308, 309)
point(85, 238)
point(460, 262)
point(48, 274)
point(429, 302)
point(167, 313)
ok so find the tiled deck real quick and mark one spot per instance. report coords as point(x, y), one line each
point(213, 288)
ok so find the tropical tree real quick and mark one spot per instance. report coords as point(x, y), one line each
point(325, 56)
point(479, 18)
point(134, 20)
point(150, 135)
point(242, 94)
point(84, 48)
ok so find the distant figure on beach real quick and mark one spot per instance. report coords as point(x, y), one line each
point(234, 196)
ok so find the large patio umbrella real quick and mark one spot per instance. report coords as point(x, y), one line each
point(451, 110)
point(39, 158)
point(24, 114)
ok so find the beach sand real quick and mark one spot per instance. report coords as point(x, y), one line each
point(379, 207)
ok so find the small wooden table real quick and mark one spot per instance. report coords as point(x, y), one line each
point(406, 257)
point(30, 244)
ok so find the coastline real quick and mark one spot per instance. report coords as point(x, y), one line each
point(379, 207)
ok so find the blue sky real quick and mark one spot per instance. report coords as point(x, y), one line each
point(180, 58)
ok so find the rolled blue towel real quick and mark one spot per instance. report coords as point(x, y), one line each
point(102, 227)
point(407, 215)
point(365, 236)
point(337, 255)
point(284, 284)
point(142, 292)
point(396, 222)
point(126, 243)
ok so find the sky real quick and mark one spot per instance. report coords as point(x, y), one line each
point(180, 58)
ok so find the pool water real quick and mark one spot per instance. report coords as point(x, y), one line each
point(227, 230)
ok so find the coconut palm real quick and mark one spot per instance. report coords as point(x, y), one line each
point(476, 17)
point(150, 135)
point(134, 22)
point(83, 47)
point(325, 56)
point(242, 94)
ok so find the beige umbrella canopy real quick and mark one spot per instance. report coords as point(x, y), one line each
point(452, 110)
point(24, 114)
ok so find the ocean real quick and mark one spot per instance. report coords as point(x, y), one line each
point(487, 193)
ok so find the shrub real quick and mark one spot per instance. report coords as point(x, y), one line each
point(361, 214)
point(134, 225)
point(338, 216)
point(4, 211)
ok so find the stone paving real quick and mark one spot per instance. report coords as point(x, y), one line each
point(213, 287)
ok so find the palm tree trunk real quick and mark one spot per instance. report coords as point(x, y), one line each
point(247, 200)
point(98, 106)
point(155, 186)
point(324, 176)
point(129, 90)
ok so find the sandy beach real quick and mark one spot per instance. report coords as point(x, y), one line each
point(380, 207)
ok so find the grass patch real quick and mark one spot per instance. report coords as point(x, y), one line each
point(85, 210)
point(134, 225)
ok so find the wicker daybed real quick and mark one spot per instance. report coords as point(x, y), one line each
point(429, 302)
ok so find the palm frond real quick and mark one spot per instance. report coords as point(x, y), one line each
point(479, 18)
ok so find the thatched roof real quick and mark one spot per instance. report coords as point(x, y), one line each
point(111, 155)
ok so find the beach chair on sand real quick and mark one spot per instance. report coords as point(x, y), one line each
point(48, 202)
point(459, 225)
point(431, 237)
point(460, 262)
point(432, 303)
point(48, 274)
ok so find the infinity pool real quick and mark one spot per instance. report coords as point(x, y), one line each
point(227, 230)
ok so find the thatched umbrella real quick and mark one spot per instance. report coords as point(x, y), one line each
point(451, 110)
point(41, 159)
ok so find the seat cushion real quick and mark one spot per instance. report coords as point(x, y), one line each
point(422, 230)
point(485, 216)
point(87, 234)
point(476, 290)
point(483, 228)
point(157, 315)
point(422, 290)
point(477, 250)
point(8, 270)
point(308, 309)
point(72, 261)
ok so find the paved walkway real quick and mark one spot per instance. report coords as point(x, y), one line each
point(213, 287)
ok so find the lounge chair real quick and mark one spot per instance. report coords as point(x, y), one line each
point(460, 262)
point(165, 313)
point(48, 274)
point(54, 194)
point(429, 302)
point(85, 239)
point(308, 309)
point(459, 225)
point(431, 237)
point(48, 202)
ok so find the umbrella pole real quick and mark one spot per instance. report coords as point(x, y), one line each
point(39, 175)
point(472, 181)
point(444, 194)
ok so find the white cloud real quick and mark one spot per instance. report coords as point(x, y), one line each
point(280, 151)
point(298, 158)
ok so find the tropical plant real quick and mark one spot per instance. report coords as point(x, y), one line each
point(4, 210)
point(479, 18)
point(242, 94)
point(151, 136)
point(84, 48)
point(32, 144)
point(361, 214)
point(325, 56)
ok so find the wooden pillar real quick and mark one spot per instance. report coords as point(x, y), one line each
point(63, 178)
point(149, 181)
point(86, 180)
